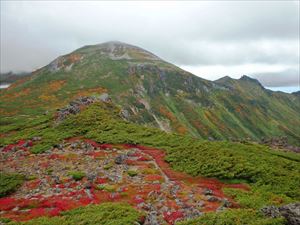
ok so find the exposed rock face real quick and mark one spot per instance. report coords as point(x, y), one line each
point(280, 142)
point(290, 212)
point(76, 105)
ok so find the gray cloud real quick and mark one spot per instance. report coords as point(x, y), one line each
point(185, 33)
point(286, 78)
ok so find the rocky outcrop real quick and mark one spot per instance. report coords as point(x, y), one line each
point(290, 212)
point(76, 105)
point(281, 143)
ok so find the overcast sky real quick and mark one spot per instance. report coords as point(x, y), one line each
point(209, 39)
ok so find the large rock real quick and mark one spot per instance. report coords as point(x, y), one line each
point(76, 105)
point(120, 159)
point(271, 211)
point(290, 212)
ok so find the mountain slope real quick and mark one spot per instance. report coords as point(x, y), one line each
point(156, 93)
point(144, 167)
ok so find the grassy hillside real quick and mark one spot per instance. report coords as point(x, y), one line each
point(157, 94)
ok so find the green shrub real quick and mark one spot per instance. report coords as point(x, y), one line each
point(132, 173)
point(77, 175)
point(108, 166)
point(234, 217)
point(107, 187)
point(104, 214)
point(257, 197)
point(9, 183)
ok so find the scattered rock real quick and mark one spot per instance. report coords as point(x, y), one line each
point(36, 139)
point(56, 179)
point(104, 97)
point(106, 172)
point(76, 105)
point(280, 143)
point(88, 185)
point(226, 203)
point(290, 212)
point(271, 211)
point(213, 199)
point(207, 191)
point(91, 177)
point(124, 114)
point(151, 218)
point(120, 159)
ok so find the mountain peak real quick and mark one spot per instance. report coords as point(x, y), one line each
point(250, 79)
point(222, 79)
point(226, 80)
point(245, 77)
point(119, 50)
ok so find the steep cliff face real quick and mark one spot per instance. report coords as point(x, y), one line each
point(156, 93)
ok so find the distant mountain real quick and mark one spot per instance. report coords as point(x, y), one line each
point(297, 93)
point(10, 77)
point(153, 92)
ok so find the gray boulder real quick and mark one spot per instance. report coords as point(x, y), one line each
point(290, 212)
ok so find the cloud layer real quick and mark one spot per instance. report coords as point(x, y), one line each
point(188, 34)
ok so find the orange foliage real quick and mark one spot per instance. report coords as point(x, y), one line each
point(215, 120)
point(56, 85)
point(90, 91)
point(18, 82)
point(21, 93)
point(48, 98)
point(181, 129)
point(167, 113)
point(200, 127)
point(73, 58)
point(51, 88)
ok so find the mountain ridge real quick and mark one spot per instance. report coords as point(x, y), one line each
point(78, 146)
point(156, 93)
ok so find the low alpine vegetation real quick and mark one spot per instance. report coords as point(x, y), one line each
point(104, 214)
point(273, 176)
point(9, 183)
point(77, 175)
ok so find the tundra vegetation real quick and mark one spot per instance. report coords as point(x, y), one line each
point(273, 176)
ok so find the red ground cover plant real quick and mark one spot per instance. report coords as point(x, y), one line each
point(33, 184)
point(135, 195)
point(20, 145)
point(153, 177)
point(172, 217)
point(56, 156)
point(7, 203)
point(101, 180)
point(97, 154)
